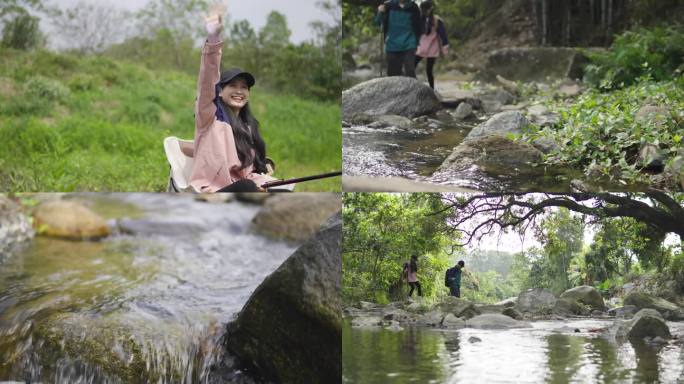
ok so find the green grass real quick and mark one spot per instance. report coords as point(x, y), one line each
point(70, 123)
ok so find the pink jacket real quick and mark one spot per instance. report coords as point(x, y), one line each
point(215, 155)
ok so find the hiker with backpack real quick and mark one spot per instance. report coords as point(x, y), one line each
point(452, 278)
point(410, 273)
point(401, 26)
point(433, 42)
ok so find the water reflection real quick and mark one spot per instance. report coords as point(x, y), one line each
point(538, 355)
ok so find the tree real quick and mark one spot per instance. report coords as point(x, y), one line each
point(180, 22)
point(659, 211)
point(381, 232)
point(90, 27)
point(20, 29)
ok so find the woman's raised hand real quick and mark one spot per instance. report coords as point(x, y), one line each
point(214, 22)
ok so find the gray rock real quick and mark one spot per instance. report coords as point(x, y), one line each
point(15, 228)
point(367, 305)
point(215, 198)
point(586, 295)
point(653, 115)
point(452, 322)
point(392, 121)
point(474, 339)
point(366, 321)
point(541, 116)
point(512, 313)
point(502, 123)
point(646, 323)
point(395, 95)
point(458, 307)
point(494, 155)
point(531, 64)
point(463, 111)
point(568, 307)
point(489, 308)
point(546, 145)
point(536, 300)
point(509, 302)
point(495, 321)
point(668, 310)
point(295, 216)
point(303, 294)
point(650, 156)
point(498, 95)
point(570, 90)
point(597, 313)
point(394, 327)
point(431, 319)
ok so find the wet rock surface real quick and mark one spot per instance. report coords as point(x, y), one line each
point(15, 228)
point(68, 219)
point(296, 216)
point(290, 328)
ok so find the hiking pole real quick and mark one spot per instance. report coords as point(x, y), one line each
point(278, 183)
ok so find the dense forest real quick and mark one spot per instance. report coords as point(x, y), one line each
point(605, 241)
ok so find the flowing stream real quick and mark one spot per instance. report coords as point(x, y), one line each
point(144, 305)
point(550, 352)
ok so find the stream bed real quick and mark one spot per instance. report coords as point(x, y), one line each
point(145, 305)
point(550, 352)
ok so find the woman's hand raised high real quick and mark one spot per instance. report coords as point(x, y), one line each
point(214, 22)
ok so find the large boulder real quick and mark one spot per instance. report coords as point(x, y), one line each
point(14, 226)
point(569, 307)
point(452, 322)
point(667, 309)
point(494, 155)
point(431, 319)
point(295, 216)
point(533, 64)
point(647, 323)
point(397, 95)
point(495, 321)
point(585, 295)
point(291, 326)
point(536, 300)
point(628, 311)
point(68, 219)
point(502, 123)
point(458, 307)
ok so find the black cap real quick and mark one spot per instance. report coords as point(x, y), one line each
point(232, 73)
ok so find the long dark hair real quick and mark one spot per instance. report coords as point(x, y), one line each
point(414, 264)
point(425, 7)
point(250, 146)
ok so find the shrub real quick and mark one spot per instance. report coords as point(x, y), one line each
point(656, 53)
point(47, 90)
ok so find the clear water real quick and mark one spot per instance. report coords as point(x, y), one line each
point(142, 307)
point(543, 354)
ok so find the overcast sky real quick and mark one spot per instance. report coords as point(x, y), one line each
point(299, 13)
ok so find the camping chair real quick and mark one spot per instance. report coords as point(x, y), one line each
point(179, 155)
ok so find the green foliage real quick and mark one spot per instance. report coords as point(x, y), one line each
point(655, 53)
point(381, 233)
point(675, 270)
point(599, 132)
point(22, 32)
point(46, 90)
point(104, 131)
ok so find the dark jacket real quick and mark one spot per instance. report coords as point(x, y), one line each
point(402, 27)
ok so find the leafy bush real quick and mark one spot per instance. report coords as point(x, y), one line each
point(47, 90)
point(656, 53)
point(599, 132)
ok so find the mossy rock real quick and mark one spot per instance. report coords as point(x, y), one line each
point(68, 219)
point(290, 329)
